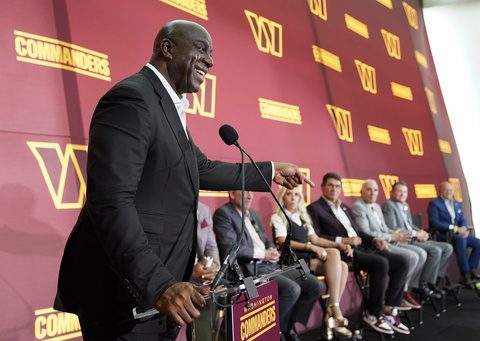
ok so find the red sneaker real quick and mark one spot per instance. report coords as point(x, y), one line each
point(410, 301)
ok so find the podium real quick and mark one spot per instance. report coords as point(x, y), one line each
point(231, 315)
point(245, 319)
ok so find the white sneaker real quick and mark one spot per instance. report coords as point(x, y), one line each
point(393, 319)
point(377, 323)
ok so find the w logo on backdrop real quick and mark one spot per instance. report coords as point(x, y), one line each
point(392, 43)
point(342, 120)
point(367, 76)
point(203, 102)
point(413, 138)
point(387, 182)
point(411, 14)
point(267, 34)
point(61, 171)
point(318, 8)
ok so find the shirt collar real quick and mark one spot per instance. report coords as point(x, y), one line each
point(293, 215)
point(332, 204)
point(181, 103)
point(171, 92)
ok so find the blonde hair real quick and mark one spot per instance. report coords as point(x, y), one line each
point(301, 208)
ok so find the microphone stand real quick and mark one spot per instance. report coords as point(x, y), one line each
point(230, 259)
point(287, 257)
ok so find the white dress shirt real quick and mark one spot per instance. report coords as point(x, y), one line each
point(339, 212)
point(181, 104)
point(451, 209)
point(258, 244)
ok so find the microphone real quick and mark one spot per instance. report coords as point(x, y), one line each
point(230, 136)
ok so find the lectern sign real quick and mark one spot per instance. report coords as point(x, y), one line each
point(260, 320)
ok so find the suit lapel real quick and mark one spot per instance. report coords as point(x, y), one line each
point(176, 127)
point(238, 222)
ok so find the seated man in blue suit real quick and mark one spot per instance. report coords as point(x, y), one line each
point(444, 214)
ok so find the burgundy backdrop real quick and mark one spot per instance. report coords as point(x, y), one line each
point(345, 86)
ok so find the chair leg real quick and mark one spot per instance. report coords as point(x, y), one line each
point(453, 290)
point(420, 315)
point(407, 318)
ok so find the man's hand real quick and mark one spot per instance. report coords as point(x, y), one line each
point(202, 274)
point(353, 241)
point(346, 249)
point(401, 237)
point(181, 302)
point(289, 176)
point(381, 244)
point(271, 255)
point(422, 235)
point(463, 231)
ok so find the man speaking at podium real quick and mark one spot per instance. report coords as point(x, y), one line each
point(134, 242)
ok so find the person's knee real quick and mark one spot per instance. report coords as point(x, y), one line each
point(413, 259)
point(422, 255)
point(291, 291)
point(333, 253)
point(435, 252)
point(380, 268)
point(476, 243)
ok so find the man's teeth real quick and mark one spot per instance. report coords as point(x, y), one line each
point(201, 73)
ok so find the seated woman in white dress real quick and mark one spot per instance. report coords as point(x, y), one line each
point(321, 254)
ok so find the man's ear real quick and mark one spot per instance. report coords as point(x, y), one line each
point(164, 48)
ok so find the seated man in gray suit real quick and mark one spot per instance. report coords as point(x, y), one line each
point(398, 216)
point(368, 216)
point(296, 297)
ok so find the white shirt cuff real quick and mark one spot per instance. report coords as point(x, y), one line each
point(259, 254)
point(273, 170)
point(338, 239)
point(414, 233)
point(451, 227)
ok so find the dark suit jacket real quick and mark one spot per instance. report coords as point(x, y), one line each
point(136, 232)
point(439, 218)
point(227, 224)
point(328, 226)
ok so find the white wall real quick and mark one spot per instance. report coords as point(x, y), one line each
point(454, 35)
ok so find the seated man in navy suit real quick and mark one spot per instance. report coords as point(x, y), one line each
point(445, 214)
point(296, 297)
point(334, 220)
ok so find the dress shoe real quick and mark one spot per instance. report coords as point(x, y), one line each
point(475, 274)
point(439, 293)
point(466, 280)
point(423, 290)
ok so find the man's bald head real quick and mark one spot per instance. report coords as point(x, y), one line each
point(445, 190)
point(182, 53)
point(177, 29)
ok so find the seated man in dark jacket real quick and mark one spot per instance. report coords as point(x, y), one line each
point(296, 297)
point(334, 220)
